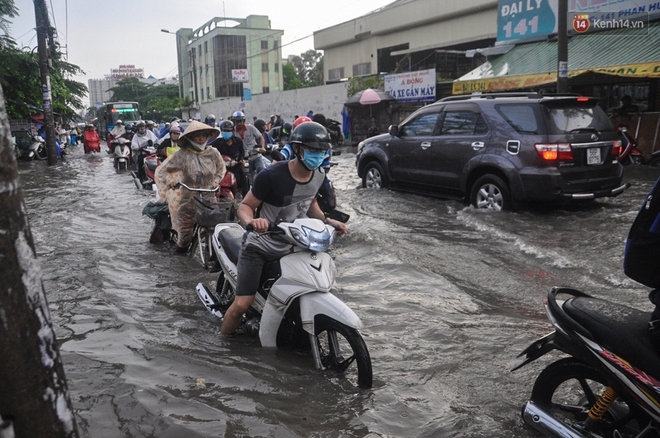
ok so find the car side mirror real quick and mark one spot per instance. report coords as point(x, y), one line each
point(393, 130)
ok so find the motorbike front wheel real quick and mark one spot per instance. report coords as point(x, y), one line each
point(343, 350)
point(568, 388)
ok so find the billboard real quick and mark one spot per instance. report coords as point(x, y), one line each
point(414, 86)
point(240, 75)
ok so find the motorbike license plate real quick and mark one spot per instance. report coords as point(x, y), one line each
point(593, 156)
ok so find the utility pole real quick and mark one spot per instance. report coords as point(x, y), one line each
point(562, 46)
point(33, 389)
point(43, 27)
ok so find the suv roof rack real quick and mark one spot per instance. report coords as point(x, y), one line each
point(479, 95)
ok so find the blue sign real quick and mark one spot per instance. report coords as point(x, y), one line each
point(525, 19)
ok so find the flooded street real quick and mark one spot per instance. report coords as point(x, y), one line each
point(448, 296)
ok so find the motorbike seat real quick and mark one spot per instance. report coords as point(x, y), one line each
point(621, 329)
point(231, 240)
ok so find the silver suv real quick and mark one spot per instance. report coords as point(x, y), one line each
point(496, 150)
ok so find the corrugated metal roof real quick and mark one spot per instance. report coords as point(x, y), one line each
point(599, 49)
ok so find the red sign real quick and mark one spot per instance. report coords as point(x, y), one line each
point(581, 23)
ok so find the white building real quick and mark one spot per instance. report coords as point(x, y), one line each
point(210, 57)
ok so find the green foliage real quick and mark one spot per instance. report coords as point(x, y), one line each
point(308, 69)
point(157, 102)
point(291, 81)
point(21, 79)
point(357, 84)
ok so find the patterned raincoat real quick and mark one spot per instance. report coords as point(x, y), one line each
point(196, 169)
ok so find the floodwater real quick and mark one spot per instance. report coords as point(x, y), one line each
point(448, 295)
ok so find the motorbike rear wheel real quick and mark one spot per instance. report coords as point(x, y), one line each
point(568, 388)
point(343, 350)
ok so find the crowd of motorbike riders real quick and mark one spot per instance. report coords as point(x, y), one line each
point(198, 154)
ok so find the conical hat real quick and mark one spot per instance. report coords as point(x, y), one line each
point(196, 126)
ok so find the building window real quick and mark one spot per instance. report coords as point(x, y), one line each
point(265, 90)
point(276, 45)
point(208, 93)
point(277, 67)
point(264, 44)
point(206, 47)
point(264, 66)
point(335, 74)
point(202, 94)
point(362, 69)
point(207, 69)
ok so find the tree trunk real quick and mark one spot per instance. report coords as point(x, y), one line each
point(33, 390)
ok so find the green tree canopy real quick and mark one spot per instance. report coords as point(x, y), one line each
point(157, 102)
point(21, 79)
point(307, 71)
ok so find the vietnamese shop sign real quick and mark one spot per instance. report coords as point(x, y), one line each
point(414, 86)
point(535, 19)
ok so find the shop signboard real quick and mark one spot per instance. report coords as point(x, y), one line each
point(414, 86)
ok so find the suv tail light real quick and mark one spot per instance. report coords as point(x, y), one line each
point(555, 151)
point(617, 148)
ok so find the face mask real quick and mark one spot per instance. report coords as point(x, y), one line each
point(197, 146)
point(227, 135)
point(312, 159)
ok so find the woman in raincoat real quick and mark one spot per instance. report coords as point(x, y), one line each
point(91, 140)
point(195, 165)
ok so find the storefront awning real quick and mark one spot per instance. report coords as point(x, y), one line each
point(530, 65)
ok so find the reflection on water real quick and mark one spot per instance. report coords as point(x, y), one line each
point(448, 297)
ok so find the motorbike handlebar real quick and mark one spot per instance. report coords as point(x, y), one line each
point(192, 189)
point(272, 227)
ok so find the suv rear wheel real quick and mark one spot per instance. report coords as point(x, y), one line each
point(374, 177)
point(490, 192)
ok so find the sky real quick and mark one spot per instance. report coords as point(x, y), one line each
point(101, 35)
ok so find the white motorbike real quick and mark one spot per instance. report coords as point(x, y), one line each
point(121, 153)
point(295, 305)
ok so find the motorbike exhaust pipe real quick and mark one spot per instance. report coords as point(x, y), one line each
point(545, 423)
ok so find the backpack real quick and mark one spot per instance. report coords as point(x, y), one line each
point(641, 260)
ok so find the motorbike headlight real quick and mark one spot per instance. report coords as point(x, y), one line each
point(312, 239)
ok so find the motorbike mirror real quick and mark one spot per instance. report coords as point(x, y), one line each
point(393, 130)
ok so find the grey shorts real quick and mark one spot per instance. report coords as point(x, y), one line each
point(251, 261)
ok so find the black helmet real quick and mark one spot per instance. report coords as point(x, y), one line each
point(286, 129)
point(227, 126)
point(312, 135)
point(319, 118)
point(260, 124)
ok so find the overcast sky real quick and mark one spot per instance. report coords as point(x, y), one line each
point(101, 35)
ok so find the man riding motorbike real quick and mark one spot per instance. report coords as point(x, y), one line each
point(142, 139)
point(231, 146)
point(253, 142)
point(282, 192)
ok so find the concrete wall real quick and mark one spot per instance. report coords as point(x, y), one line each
point(327, 99)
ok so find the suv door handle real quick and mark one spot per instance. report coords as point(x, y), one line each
point(478, 144)
point(426, 144)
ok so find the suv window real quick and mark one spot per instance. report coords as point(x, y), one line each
point(463, 123)
point(522, 118)
point(423, 125)
point(574, 118)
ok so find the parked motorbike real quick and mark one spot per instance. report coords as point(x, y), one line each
point(654, 159)
point(608, 386)
point(121, 153)
point(295, 305)
point(150, 163)
point(33, 149)
point(334, 129)
point(629, 152)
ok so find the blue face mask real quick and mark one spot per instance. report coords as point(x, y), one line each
point(227, 135)
point(312, 159)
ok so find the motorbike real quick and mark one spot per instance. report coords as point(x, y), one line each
point(609, 383)
point(334, 129)
point(295, 305)
point(150, 163)
point(33, 149)
point(121, 153)
point(210, 211)
point(629, 152)
point(654, 159)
